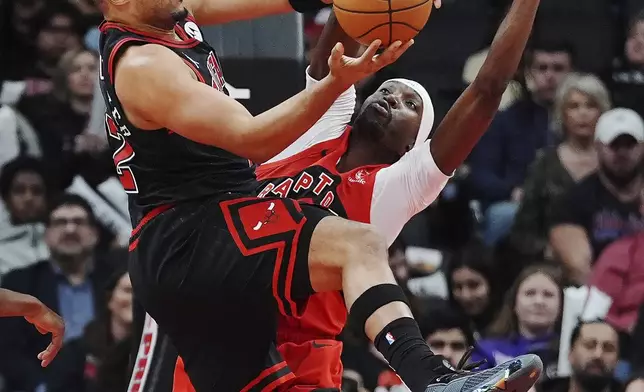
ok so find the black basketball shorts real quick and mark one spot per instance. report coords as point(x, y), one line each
point(214, 274)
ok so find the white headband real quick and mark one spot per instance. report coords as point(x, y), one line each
point(427, 118)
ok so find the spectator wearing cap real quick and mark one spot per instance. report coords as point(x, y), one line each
point(607, 205)
point(69, 282)
point(594, 352)
point(25, 190)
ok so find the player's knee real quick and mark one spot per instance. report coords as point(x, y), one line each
point(365, 245)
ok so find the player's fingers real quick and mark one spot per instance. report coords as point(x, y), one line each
point(403, 48)
point(50, 352)
point(438, 3)
point(370, 52)
point(390, 55)
point(336, 55)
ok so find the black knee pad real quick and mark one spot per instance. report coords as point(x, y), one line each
point(373, 299)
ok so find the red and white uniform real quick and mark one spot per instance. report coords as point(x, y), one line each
point(387, 196)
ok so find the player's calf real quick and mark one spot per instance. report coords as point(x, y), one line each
point(355, 256)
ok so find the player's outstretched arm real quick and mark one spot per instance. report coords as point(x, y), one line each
point(223, 11)
point(158, 90)
point(13, 304)
point(472, 113)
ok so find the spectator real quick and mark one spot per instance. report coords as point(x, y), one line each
point(500, 160)
point(607, 205)
point(56, 34)
point(98, 361)
point(25, 191)
point(529, 319)
point(66, 283)
point(627, 78)
point(594, 351)
point(470, 274)
point(60, 119)
point(579, 102)
point(447, 332)
point(619, 273)
point(18, 36)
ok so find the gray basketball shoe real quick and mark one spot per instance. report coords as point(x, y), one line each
point(516, 375)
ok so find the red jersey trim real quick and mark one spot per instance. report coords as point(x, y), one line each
point(190, 43)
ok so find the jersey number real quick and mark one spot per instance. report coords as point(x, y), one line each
point(123, 154)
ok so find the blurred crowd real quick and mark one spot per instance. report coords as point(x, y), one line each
point(552, 198)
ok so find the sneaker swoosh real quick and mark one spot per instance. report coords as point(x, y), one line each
point(319, 345)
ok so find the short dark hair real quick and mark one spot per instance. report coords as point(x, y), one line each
point(70, 199)
point(634, 20)
point(440, 317)
point(576, 332)
point(549, 46)
point(20, 165)
point(44, 18)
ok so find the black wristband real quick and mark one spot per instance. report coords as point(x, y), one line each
point(303, 6)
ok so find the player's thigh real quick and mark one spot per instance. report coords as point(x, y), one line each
point(337, 242)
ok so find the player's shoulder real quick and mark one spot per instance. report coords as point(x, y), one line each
point(147, 55)
point(141, 63)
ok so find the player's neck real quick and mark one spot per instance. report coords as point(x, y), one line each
point(359, 153)
point(145, 28)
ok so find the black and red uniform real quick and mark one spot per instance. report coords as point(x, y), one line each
point(210, 262)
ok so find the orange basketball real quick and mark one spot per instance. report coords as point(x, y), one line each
point(386, 20)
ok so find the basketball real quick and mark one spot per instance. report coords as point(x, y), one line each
point(386, 20)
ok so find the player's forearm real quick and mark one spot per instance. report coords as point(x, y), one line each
point(331, 35)
point(209, 12)
point(507, 47)
point(474, 110)
point(17, 304)
point(272, 131)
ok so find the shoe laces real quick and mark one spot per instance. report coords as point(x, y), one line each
point(462, 368)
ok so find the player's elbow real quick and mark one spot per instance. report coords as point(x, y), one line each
point(251, 145)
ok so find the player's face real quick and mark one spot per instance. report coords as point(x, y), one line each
point(162, 14)
point(392, 115)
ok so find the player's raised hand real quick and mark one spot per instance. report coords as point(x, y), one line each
point(347, 70)
point(47, 321)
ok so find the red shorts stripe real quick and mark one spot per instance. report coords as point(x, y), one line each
point(261, 225)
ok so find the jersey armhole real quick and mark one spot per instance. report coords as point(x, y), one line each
point(117, 51)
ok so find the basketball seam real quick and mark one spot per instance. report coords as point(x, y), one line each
point(385, 24)
point(391, 32)
point(380, 12)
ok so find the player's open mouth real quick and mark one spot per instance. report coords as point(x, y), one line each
point(382, 107)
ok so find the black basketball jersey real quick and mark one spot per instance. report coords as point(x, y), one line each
point(162, 167)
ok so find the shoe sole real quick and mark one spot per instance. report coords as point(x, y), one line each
point(521, 375)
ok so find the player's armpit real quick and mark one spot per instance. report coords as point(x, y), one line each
point(571, 246)
point(208, 12)
point(404, 189)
